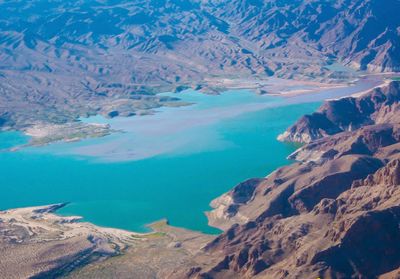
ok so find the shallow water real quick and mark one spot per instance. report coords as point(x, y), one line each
point(187, 129)
point(178, 161)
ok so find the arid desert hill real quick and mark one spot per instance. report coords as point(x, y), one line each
point(332, 214)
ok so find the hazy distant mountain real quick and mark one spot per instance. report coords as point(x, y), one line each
point(74, 55)
point(364, 33)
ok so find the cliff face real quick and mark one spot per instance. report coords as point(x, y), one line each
point(333, 214)
point(347, 114)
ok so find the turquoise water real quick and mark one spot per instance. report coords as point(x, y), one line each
point(187, 129)
point(209, 157)
point(11, 139)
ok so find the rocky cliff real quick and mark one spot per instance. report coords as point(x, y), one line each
point(347, 114)
point(332, 214)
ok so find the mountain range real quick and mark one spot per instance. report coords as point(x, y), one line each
point(65, 59)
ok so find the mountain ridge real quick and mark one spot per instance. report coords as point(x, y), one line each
point(347, 114)
point(58, 55)
point(331, 214)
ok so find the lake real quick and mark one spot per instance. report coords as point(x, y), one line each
point(167, 165)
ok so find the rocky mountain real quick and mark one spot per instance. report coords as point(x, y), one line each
point(347, 114)
point(64, 59)
point(332, 214)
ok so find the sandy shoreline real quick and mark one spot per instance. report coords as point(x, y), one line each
point(35, 241)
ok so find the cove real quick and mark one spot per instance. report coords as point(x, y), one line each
point(233, 139)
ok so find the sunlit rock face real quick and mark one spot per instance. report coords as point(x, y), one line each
point(380, 106)
point(332, 214)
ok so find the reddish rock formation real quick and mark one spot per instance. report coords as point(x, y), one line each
point(334, 214)
point(379, 106)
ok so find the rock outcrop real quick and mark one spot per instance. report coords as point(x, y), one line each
point(333, 214)
point(380, 106)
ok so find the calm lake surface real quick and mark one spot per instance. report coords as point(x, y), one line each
point(167, 165)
